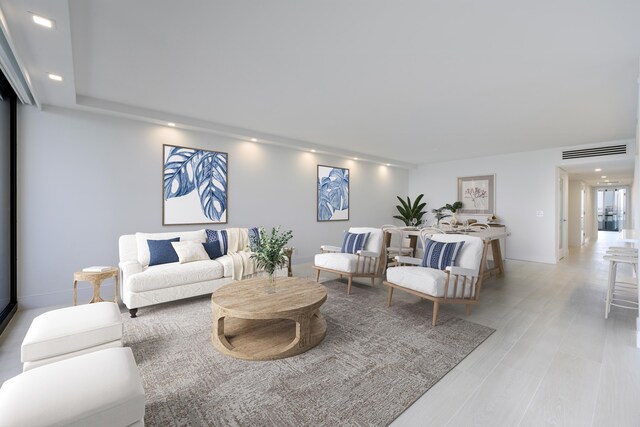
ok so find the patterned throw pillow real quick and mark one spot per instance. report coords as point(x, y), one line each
point(353, 242)
point(161, 251)
point(219, 238)
point(190, 251)
point(440, 255)
point(254, 238)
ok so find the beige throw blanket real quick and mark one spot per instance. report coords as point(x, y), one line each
point(238, 250)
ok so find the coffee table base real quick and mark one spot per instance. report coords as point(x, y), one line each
point(267, 339)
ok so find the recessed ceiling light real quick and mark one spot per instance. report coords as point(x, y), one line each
point(171, 124)
point(355, 158)
point(606, 180)
point(598, 170)
point(254, 140)
point(55, 77)
point(41, 20)
point(603, 176)
point(388, 164)
point(313, 151)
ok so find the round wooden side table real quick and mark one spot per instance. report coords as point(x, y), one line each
point(96, 280)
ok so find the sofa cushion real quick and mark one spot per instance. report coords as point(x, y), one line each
point(71, 329)
point(143, 248)
point(174, 274)
point(190, 251)
point(219, 237)
point(428, 281)
point(337, 261)
point(162, 251)
point(440, 255)
point(352, 242)
point(99, 389)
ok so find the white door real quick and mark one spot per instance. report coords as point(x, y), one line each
point(562, 211)
point(583, 213)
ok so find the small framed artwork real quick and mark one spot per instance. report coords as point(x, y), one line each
point(477, 194)
point(194, 186)
point(333, 193)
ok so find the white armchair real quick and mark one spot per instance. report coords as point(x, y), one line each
point(459, 284)
point(368, 262)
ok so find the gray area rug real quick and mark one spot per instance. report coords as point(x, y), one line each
point(374, 363)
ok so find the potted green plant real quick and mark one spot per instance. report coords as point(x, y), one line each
point(269, 254)
point(453, 208)
point(410, 213)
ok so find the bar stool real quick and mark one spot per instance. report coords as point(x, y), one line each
point(617, 290)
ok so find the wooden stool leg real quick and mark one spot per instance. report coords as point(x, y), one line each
point(75, 292)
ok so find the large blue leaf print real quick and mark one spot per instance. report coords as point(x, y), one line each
point(179, 173)
point(211, 182)
point(325, 211)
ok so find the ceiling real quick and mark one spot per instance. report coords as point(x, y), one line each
point(409, 81)
point(616, 172)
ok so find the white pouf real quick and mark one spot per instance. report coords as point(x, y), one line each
point(102, 388)
point(71, 331)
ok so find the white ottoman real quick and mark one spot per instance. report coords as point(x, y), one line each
point(71, 331)
point(102, 388)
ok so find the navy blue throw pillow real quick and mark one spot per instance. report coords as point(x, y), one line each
point(353, 242)
point(162, 252)
point(220, 238)
point(213, 249)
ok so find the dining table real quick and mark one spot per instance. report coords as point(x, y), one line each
point(632, 237)
point(491, 238)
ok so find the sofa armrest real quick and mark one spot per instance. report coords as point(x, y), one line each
point(329, 248)
point(368, 253)
point(408, 260)
point(462, 271)
point(129, 268)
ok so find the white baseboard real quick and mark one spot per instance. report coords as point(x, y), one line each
point(65, 297)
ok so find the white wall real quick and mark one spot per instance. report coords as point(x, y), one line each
point(525, 184)
point(85, 179)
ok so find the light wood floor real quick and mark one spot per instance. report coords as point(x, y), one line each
point(553, 360)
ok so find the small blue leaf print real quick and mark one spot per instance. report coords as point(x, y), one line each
point(179, 173)
point(211, 182)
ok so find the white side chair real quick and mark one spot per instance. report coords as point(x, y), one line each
point(621, 293)
point(394, 243)
point(368, 262)
point(459, 284)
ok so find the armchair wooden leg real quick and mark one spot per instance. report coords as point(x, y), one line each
point(349, 285)
point(435, 314)
point(373, 282)
point(317, 276)
point(467, 309)
point(389, 296)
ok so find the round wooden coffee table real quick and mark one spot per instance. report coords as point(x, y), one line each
point(250, 323)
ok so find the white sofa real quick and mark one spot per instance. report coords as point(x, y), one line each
point(142, 285)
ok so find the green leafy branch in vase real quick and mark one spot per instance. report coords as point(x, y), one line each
point(269, 254)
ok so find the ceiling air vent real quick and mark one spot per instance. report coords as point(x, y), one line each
point(611, 150)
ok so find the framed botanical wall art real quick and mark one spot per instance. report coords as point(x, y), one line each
point(194, 186)
point(477, 194)
point(333, 193)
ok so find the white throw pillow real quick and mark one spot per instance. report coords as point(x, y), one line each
point(143, 247)
point(190, 251)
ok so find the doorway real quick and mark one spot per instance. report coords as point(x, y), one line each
point(562, 203)
point(612, 208)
